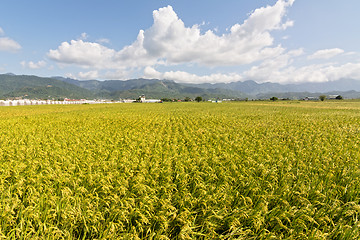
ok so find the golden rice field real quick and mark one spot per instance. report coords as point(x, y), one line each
point(247, 170)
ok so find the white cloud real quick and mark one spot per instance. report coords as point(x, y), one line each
point(274, 69)
point(150, 72)
point(84, 36)
point(169, 41)
point(85, 54)
point(350, 53)
point(326, 53)
point(89, 75)
point(70, 75)
point(325, 73)
point(103, 41)
point(33, 65)
point(285, 73)
point(9, 45)
point(281, 70)
point(96, 74)
point(185, 77)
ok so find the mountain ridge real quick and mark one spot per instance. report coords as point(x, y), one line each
point(12, 86)
point(251, 87)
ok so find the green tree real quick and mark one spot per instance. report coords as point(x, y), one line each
point(187, 99)
point(166, 99)
point(339, 97)
point(322, 97)
point(273, 98)
point(198, 99)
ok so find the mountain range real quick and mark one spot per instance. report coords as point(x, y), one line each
point(25, 86)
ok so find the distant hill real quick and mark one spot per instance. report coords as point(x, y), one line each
point(152, 88)
point(253, 88)
point(58, 87)
point(38, 87)
point(302, 95)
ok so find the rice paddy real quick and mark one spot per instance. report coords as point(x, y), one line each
point(244, 170)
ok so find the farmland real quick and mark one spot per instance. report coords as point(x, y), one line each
point(247, 170)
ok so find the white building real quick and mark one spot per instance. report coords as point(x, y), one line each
point(144, 100)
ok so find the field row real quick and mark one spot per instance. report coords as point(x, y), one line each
point(250, 170)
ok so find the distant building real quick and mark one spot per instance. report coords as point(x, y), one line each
point(127, 100)
point(144, 100)
point(311, 99)
point(332, 96)
point(152, 100)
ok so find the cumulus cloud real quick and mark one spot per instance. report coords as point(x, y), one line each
point(98, 74)
point(185, 77)
point(274, 69)
point(281, 70)
point(85, 54)
point(89, 75)
point(103, 41)
point(84, 36)
point(325, 73)
point(326, 53)
point(9, 45)
point(246, 43)
point(169, 41)
point(283, 74)
point(33, 65)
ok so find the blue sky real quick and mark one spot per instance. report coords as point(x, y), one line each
point(285, 41)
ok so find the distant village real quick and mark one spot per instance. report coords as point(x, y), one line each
point(141, 99)
point(22, 102)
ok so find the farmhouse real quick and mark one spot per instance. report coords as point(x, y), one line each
point(333, 96)
point(144, 100)
point(311, 99)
